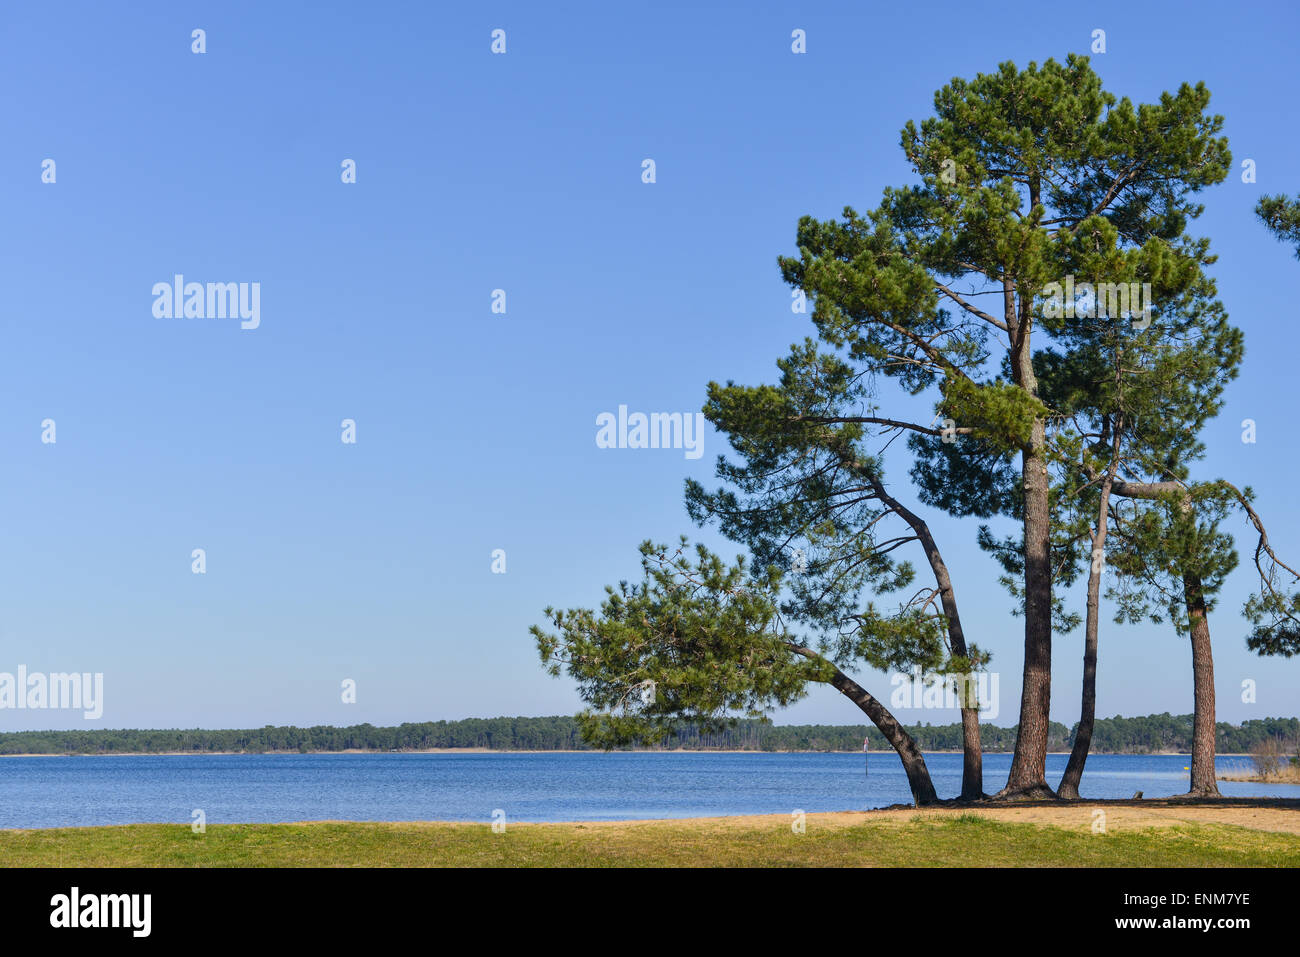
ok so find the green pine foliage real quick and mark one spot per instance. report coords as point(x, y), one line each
point(1282, 216)
point(698, 639)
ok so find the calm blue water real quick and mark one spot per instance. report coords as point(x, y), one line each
point(67, 791)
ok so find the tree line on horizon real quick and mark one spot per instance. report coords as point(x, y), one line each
point(1039, 288)
point(1160, 732)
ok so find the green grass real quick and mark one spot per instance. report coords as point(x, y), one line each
point(964, 840)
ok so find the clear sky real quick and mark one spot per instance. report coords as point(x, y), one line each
point(476, 430)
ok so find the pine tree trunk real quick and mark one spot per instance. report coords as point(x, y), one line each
point(972, 766)
point(972, 773)
point(1028, 777)
point(918, 775)
point(1069, 786)
point(1204, 783)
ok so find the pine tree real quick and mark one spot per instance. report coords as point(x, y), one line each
point(1132, 399)
point(702, 641)
point(809, 496)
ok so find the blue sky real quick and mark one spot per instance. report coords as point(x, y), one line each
point(475, 431)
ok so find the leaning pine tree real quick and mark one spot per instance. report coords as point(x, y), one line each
point(808, 498)
point(702, 641)
point(809, 495)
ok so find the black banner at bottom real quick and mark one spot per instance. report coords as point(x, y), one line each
point(332, 907)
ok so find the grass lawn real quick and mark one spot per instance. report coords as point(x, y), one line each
point(1142, 835)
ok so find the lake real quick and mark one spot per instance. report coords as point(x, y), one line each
point(548, 786)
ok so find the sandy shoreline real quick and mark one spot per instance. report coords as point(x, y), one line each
point(1120, 815)
point(1260, 814)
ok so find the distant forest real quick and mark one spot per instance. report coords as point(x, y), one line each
point(1158, 732)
